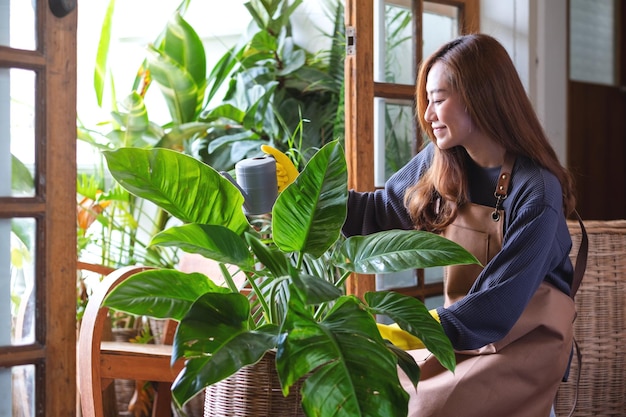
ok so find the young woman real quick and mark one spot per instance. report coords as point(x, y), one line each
point(489, 180)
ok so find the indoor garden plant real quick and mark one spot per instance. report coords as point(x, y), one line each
point(296, 306)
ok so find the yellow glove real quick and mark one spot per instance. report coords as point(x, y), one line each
point(286, 172)
point(400, 338)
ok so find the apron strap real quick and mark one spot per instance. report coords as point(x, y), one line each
point(502, 188)
point(581, 258)
point(579, 272)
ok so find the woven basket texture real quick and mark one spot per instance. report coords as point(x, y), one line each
point(600, 327)
point(254, 391)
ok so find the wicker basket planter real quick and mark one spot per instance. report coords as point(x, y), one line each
point(254, 391)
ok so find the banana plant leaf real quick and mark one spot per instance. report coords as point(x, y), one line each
point(183, 44)
point(102, 54)
point(134, 125)
point(178, 87)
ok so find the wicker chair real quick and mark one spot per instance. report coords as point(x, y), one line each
point(600, 327)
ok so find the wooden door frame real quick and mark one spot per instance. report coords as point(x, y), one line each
point(54, 208)
point(596, 150)
point(360, 91)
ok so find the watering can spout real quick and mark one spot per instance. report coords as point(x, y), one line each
point(256, 179)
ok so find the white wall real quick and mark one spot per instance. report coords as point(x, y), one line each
point(534, 32)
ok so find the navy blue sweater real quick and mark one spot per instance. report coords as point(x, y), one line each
point(535, 246)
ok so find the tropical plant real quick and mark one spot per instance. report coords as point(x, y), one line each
point(276, 92)
point(288, 82)
point(295, 308)
point(113, 226)
point(273, 84)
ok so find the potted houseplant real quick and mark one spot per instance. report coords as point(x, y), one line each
point(319, 335)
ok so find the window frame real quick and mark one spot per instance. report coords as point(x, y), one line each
point(53, 207)
point(360, 92)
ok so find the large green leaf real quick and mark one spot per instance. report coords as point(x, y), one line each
point(183, 186)
point(314, 290)
point(178, 65)
point(179, 135)
point(293, 56)
point(213, 319)
point(216, 338)
point(270, 257)
point(160, 293)
point(225, 110)
point(351, 372)
point(211, 241)
point(399, 250)
point(138, 120)
point(308, 214)
point(244, 348)
point(177, 85)
point(411, 315)
point(406, 362)
point(183, 45)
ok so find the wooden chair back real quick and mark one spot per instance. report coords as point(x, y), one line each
point(100, 361)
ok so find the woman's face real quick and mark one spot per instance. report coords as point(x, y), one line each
point(447, 115)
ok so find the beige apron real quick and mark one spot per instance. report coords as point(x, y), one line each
point(517, 376)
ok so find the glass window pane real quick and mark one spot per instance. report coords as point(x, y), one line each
point(434, 301)
point(440, 23)
point(14, 32)
point(402, 279)
point(433, 275)
point(18, 388)
point(17, 281)
point(592, 41)
point(17, 121)
point(394, 134)
point(394, 58)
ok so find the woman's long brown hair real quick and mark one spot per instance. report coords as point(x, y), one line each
point(481, 71)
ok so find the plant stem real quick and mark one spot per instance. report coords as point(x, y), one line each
point(262, 300)
point(322, 308)
point(230, 282)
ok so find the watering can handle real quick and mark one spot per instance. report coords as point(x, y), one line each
point(232, 180)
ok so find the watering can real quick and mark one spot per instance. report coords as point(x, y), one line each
point(256, 179)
